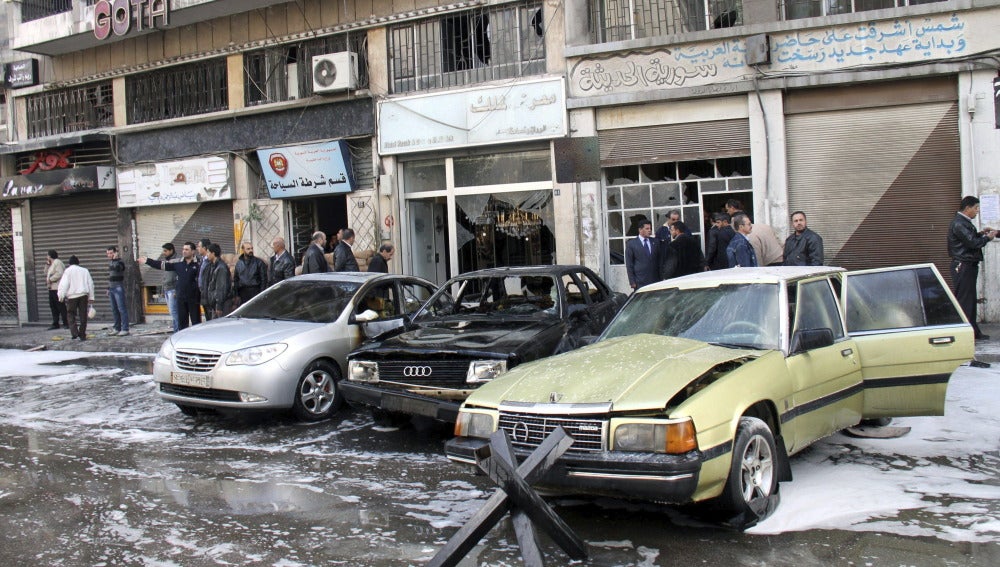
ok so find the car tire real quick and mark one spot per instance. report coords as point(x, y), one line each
point(187, 410)
point(750, 491)
point(316, 394)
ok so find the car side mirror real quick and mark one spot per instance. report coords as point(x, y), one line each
point(809, 339)
point(366, 316)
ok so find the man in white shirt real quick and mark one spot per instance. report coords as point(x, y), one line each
point(76, 289)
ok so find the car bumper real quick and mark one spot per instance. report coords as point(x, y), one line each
point(399, 401)
point(269, 381)
point(645, 476)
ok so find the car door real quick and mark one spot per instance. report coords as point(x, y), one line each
point(911, 336)
point(826, 374)
point(413, 293)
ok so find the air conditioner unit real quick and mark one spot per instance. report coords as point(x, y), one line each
point(335, 72)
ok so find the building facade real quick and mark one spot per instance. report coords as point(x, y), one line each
point(490, 133)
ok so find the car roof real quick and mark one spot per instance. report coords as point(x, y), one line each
point(766, 275)
point(548, 269)
point(354, 277)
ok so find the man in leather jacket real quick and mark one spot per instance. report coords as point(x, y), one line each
point(282, 265)
point(804, 247)
point(965, 246)
point(249, 274)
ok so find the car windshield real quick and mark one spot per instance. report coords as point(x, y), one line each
point(745, 315)
point(300, 300)
point(509, 295)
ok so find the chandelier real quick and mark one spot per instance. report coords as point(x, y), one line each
point(518, 223)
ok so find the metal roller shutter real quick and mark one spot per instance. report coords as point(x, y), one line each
point(179, 224)
point(675, 142)
point(81, 225)
point(880, 185)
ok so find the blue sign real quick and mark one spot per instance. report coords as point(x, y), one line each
point(308, 170)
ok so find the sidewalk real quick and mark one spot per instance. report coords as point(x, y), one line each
point(144, 338)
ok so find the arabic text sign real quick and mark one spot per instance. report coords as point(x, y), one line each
point(58, 182)
point(174, 182)
point(491, 115)
point(307, 170)
point(902, 40)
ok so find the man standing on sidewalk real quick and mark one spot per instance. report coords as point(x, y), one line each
point(965, 246)
point(170, 282)
point(249, 275)
point(76, 288)
point(187, 296)
point(116, 292)
point(53, 274)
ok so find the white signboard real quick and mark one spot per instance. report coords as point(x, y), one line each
point(712, 64)
point(490, 115)
point(173, 182)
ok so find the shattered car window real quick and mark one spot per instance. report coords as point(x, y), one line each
point(534, 296)
point(739, 314)
point(300, 300)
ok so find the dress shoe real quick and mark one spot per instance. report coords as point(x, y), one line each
point(52, 327)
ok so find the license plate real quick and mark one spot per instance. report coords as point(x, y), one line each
point(188, 379)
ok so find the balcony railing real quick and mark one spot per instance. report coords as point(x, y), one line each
point(797, 9)
point(185, 90)
point(618, 20)
point(70, 110)
point(38, 9)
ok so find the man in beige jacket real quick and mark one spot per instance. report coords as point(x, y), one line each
point(53, 274)
point(762, 237)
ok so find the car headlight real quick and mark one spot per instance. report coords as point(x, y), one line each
point(671, 436)
point(474, 424)
point(362, 371)
point(255, 355)
point(485, 370)
point(166, 351)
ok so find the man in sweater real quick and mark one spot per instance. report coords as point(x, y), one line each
point(76, 289)
point(53, 274)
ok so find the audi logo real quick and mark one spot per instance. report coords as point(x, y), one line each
point(417, 371)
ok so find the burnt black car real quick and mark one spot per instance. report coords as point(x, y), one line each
point(473, 329)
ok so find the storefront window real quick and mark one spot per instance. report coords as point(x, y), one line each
point(505, 229)
point(424, 175)
point(695, 188)
point(501, 169)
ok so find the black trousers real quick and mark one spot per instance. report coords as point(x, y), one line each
point(964, 276)
point(247, 293)
point(58, 309)
point(188, 310)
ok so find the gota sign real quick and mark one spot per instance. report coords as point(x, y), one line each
point(307, 170)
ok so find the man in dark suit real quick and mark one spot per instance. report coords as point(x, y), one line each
point(313, 261)
point(380, 261)
point(343, 254)
point(965, 246)
point(642, 257)
point(718, 240)
point(686, 249)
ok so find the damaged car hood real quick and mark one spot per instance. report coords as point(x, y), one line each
point(639, 372)
point(463, 337)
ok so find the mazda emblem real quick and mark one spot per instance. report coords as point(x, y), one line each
point(520, 432)
point(417, 371)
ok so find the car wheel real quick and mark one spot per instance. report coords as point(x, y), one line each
point(187, 410)
point(753, 475)
point(316, 396)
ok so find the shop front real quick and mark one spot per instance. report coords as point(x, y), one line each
point(476, 178)
point(177, 201)
point(72, 211)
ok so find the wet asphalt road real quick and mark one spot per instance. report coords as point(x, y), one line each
point(96, 470)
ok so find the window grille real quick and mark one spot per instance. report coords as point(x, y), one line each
point(70, 110)
point(38, 9)
point(184, 90)
point(797, 9)
point(619, 20)
point(471, 46)
point(284, 72)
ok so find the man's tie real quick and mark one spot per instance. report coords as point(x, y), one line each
point(645, 242)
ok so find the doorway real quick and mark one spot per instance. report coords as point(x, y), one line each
point(429, 239)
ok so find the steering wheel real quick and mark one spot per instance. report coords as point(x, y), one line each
point(743, 327)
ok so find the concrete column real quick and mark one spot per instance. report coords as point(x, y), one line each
point(17, 215)
point(120, 103)
point(234, 70)
point(589, 239)
point(769, 159)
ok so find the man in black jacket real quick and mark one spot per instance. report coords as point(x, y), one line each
point(186, 294)
point(804, 247)
point(380, 261)
point(965, 246)
point(220, 285)
point(313, 261)
point(282, 265)
point(249, 275)
point(343, 254)
point(718, 240)
point(686, 249)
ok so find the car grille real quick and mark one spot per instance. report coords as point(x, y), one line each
point(192, 361)
point(527, 431)
point(201, 393)
point(445, 373)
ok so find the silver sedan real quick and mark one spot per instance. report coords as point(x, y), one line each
point(286, 348)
